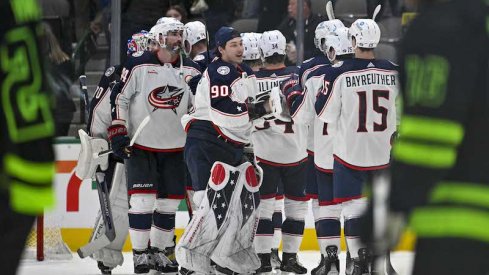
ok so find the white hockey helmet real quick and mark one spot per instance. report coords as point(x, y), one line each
point(366, 33)
point(272, 42)
point(159, 31)
point(332, 42)
point(345, 43)
point(251, 46)
point(325, 28)
point(193, 32)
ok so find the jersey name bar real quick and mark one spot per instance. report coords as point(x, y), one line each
point(369, 79)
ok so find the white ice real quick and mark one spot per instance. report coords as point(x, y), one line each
point(402, 262)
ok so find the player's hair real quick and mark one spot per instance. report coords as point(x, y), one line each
point(275, 58)
point(252, 63)
point(201, 42)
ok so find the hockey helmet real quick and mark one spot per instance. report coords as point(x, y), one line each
point(159, 31)
point(272, 42)
point(251, 45)
point(193, 33)
point(325, 28)
point(366, 33)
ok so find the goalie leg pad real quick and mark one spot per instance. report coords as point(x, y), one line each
point(235, 249)
point(140, 218)
point(264, 232)
point(163, 228)
point(293, 226)
point(209, 223)
point(111, 255)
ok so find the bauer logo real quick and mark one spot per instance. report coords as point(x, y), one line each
point(142, 185)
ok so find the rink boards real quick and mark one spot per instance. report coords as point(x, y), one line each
point(77, 205)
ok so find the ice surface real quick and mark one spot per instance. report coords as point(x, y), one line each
point(402, 262)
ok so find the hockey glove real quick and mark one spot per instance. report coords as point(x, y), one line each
point(119, 141)
point(256, 109)
point(290, 88)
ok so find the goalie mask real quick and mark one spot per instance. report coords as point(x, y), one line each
point(251, 47)
point(193, 33)
point(323, 29)
point(161, 31)
point(138, 42)
point(272, 42)
point(366, 33)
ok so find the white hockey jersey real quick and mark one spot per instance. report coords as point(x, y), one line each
point(99, 115)
point(303, 112)
point(276, 142)
point(148, 87)
point(359, 95)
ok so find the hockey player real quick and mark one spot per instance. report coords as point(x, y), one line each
point(337, 48)
point(439, 170)
point(358, 96)
point(27, 129)
point(153, 86)
point(251, 54)
point(99, 120)
point(280, 167)
point(324, 28)
point(217, 131)
point(195, 43)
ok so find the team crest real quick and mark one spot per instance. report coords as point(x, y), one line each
point(109, 71)
point(138, 54)
point(166, 97)
point(223, 70)
point(199, 57)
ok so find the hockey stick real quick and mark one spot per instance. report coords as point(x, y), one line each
point(329, 10)
point(97, 240)
point(376, 11)
point(133, 140)
point(86, 101)
point(381, 187)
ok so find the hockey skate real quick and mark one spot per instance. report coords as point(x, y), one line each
point(290, 264)
point(104, 269)
point(329, 265)
point(164, 260)
point(362, 264)
point(266, 266)
point(275, 259)
point(142, 262)
point(184, 271)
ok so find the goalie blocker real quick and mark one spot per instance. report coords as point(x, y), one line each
point(224, 225)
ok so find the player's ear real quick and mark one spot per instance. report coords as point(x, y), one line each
point(220, 49)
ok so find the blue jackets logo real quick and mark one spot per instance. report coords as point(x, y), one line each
point(166, 97)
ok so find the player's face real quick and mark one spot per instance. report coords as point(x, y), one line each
point(233, 51)
point(174, 39)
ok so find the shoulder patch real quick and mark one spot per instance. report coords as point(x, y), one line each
point(337, 64)
point(109, 71)
point(138, 54)
point(223, 70)
point(199, 57)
